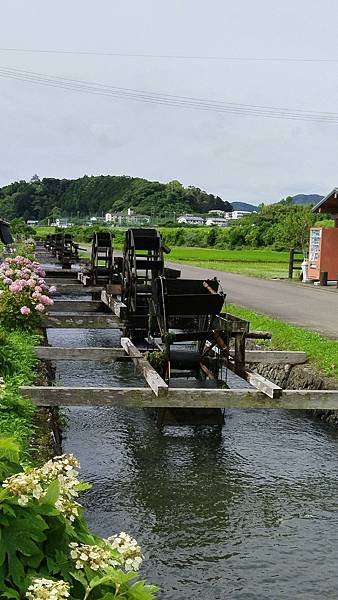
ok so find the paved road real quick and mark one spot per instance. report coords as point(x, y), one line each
point(308, 306)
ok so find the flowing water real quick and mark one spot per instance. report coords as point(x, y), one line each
point(248, 514)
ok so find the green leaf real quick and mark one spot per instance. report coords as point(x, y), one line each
point(9, 449)
point(52, 493)
point(27, 546)
point(83, 486)
point(78, 576)
point(142, 591)
point(9, 593)
point(16, 570)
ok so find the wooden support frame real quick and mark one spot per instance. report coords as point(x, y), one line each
point(78, 305)
point(258, 381)
point(279, 357)
point(77, 288)
point(116, 306)
point(81, 321)
point(86, 353)
point(181, 398)
point(153, 379)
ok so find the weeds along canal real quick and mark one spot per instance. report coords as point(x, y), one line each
point(248, 514)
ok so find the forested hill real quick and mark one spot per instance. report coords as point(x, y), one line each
point(39, 199)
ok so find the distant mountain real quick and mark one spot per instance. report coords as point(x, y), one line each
point(306, 198)
point(244, 206)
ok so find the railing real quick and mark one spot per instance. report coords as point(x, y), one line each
point(292, 260)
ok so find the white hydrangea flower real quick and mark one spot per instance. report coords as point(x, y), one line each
point(129, 550)
point(96, 558)
point(47, 589)
point(33, 484)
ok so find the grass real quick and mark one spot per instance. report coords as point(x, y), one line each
point(321, 351)
point(42, 231)
point(17, 367)
point(258, 263)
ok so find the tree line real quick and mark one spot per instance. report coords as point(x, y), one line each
point(49, 197)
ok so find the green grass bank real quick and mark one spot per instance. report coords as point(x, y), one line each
point(18, 366)
point(322, 352)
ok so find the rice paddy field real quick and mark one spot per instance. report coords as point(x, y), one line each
point(257, 263)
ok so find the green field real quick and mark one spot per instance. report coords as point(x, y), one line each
point(258, 263)
point(321, 351)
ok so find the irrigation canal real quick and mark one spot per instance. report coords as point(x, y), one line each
point(248, 514)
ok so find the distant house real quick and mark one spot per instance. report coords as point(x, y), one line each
point(236, 214)
point(190, 220)
point(127, 219)
point(61, 222)
point(31, 222)
point(217, 221)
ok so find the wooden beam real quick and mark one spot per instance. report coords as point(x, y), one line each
point(118, 307)
point(58, 282)
point(258, 381)
point(77, 288)
point(267, 357)
point(61, 273)
point(81, 321)
point(261, 383)
point(181, 398)
point(153, 379)
point(76, 305)
point(87, 353)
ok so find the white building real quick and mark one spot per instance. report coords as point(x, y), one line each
point(108, 217)
point(236, 214)
point(217, 221)
point(190, 220)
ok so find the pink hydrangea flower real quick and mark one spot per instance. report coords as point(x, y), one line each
point(40, 307)
point(46, 300)
point(52, 289)
point(15, 287)
point(25, 310)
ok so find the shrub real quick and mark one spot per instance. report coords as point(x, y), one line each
point(23, 293)
point(46, 548)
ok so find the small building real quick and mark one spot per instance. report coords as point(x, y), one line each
point(61, 222)
point(32, 223)
point(323, 248)
point(217, 221)
point(108, 217)
point(236, 214)
point(190, 220)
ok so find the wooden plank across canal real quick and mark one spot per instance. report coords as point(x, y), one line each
point(105, 310)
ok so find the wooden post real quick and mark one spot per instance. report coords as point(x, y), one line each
point(323, 277)
point(239, 352)
point(291, 259)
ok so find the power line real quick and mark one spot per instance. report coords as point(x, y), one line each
point(169, 100)
point(172, 56)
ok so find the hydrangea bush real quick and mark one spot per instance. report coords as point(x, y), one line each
point(24, 294)
point(46, 548)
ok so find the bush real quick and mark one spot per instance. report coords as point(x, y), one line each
point(23, 293)
point(46, 548)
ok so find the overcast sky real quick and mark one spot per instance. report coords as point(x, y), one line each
point(61, 133)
